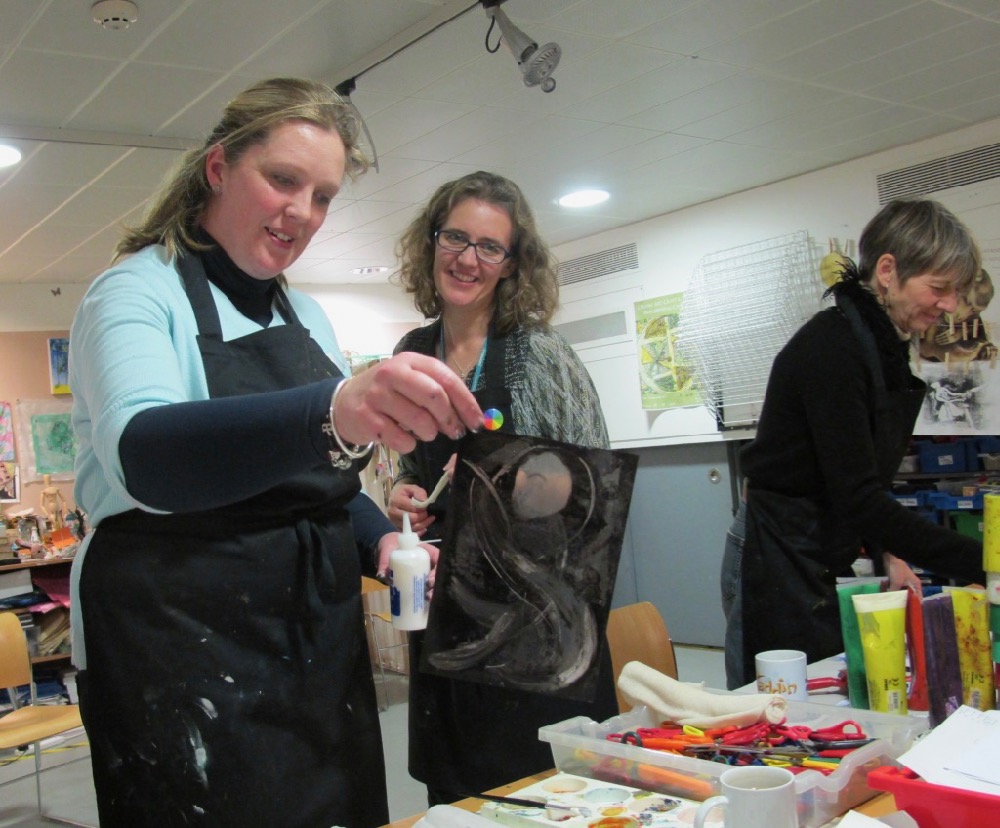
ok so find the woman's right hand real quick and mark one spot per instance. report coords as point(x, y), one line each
point(407, 398)
point(401, 500)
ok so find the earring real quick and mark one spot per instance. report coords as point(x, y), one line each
point(217, 188)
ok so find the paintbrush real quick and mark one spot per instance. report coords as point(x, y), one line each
point(526, 803)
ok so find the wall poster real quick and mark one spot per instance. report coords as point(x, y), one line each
point(6, 432)
point(59, 365)
point(666, 381)
point(46, 443)
point(10, 483)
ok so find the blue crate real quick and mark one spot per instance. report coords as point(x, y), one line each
point(942, 457)
point(947, 502)
point(912, 500)
point(988, 444)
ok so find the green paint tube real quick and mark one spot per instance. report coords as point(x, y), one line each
point(857, 687)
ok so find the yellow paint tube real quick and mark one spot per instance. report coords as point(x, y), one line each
point(991, 532)
point(882, 621)
point(972, 629)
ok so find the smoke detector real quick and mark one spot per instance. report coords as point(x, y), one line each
point(115, 14)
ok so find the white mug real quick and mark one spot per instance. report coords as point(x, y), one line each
point(782, 672)
point(754, 796)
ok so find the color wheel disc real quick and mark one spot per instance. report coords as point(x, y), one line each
point(493, 419)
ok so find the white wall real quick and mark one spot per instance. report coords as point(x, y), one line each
point(368, 319)
point(835, 202)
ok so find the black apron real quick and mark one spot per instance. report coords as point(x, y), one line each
point(795, 548)
point(228, 680)
point(467, 737)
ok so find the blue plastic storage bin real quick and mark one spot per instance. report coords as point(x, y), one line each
point(942, 457)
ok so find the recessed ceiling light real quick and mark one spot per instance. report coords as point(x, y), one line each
point(368, 271)
point(9, 155)
point(583, 198)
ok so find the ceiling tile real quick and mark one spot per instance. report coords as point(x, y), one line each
point(698, 26)
point(67, 80)
point(480, 126)
point(800, 34)
point(113, 109)
point(620, 19)
point(836, 50)
point(887, 65)
point(410, 119)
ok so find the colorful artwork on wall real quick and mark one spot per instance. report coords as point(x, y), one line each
point(10, 483)
point(59, 365)
point(6, 432)
point(45, 439)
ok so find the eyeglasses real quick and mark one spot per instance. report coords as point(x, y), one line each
point(486, 251)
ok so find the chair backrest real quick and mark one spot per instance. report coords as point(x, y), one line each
point(637, 632)
point(15, 664)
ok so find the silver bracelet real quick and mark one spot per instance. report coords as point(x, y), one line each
point(341, 455)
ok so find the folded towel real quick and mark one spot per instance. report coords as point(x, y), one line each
point(688, 704)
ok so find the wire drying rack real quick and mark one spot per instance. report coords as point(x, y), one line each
point(741, 306)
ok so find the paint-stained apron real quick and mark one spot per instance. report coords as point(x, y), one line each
point(228, 680)
point(796, 548)
point(467, 737)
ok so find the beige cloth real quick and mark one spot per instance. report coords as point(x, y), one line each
point(688, 704)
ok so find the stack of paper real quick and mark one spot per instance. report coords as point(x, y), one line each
point(961, 752)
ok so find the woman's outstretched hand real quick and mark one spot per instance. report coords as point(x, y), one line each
point(407, 398)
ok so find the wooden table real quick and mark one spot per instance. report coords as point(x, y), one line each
point(879, 806)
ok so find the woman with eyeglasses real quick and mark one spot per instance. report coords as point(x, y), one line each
point(475, 264)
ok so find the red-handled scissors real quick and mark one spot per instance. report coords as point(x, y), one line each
point(845, 731)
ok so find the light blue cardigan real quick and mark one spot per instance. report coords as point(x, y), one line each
point(133, 346)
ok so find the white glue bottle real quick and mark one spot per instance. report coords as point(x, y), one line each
point(409, 568)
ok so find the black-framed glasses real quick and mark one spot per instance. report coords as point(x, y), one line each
point(486, 251)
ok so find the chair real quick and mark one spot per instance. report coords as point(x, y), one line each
point(371, 590)
point(31, 722)
point(637, 632)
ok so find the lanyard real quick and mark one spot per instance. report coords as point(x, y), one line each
point(479, 363)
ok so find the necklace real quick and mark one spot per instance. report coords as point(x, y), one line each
point(448, 356)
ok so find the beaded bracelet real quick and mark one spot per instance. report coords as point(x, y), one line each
point(341, 455)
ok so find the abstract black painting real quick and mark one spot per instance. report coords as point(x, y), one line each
point(528, 564)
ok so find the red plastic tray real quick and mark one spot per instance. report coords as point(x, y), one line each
point(936, 806)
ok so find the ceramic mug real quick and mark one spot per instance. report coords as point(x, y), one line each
point(782, 672)
point(754, 796)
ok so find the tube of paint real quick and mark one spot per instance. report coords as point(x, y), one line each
point(972, 631)
point(944, 677)
point(882, 622)
point(916, 696)
point(857, 688)
point(991, 532)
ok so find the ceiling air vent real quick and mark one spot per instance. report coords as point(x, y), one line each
point(969, 167)
point(604, 263)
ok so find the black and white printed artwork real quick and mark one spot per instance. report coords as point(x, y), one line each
point(528, 564)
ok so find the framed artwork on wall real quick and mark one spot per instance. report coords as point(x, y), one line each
point(45, 440)
point(10, 483)
point(6, 432)
point(59, 365)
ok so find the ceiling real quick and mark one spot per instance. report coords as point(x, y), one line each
point(665, 103)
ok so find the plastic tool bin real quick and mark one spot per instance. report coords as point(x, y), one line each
point(579, 746)
point(936, 806)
